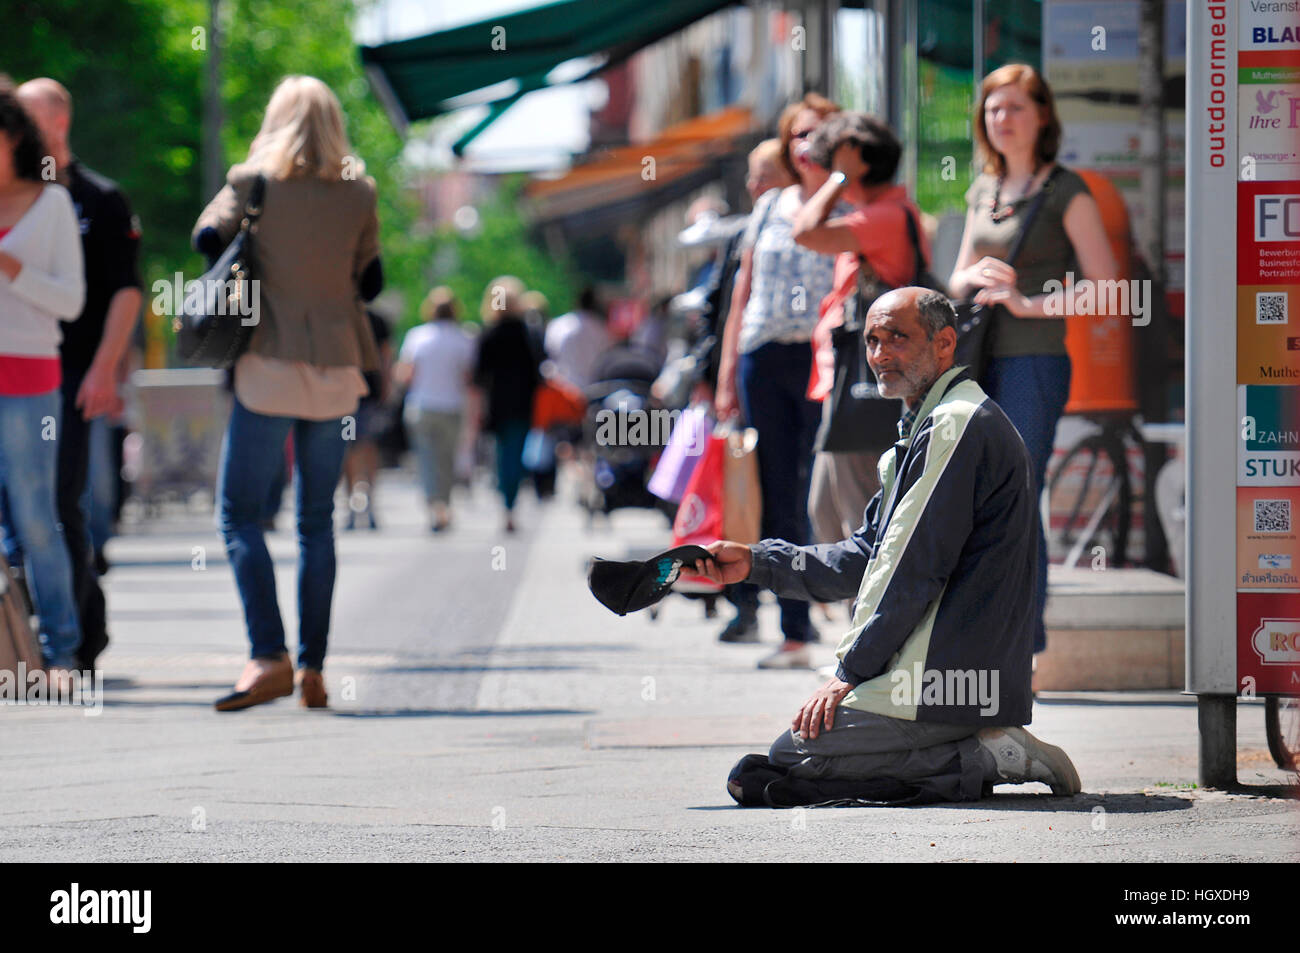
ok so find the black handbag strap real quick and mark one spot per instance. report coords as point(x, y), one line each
point(1031, 213)
point(1027, 222)
point(253, 207)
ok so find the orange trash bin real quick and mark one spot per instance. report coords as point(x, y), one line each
point(1101, 345)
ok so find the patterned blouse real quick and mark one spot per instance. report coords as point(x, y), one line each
point(787, 282)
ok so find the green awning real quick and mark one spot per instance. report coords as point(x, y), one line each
point(496, 61)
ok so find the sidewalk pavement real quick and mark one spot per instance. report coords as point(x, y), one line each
point(484, 706)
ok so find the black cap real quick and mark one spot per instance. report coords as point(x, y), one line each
point(624, 587)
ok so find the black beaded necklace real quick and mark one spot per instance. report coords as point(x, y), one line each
point(1005, 211)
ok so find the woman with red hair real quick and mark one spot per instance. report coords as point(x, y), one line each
point(1017, 136)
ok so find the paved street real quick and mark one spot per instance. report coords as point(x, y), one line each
point(486, 707)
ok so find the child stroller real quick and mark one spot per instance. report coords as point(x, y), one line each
point(625, 429)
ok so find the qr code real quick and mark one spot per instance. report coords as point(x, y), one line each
point(1272, 516)
point(1270, 307)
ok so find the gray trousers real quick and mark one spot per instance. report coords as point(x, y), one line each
point(944, 759)
point(840, 487)
point(434, 435)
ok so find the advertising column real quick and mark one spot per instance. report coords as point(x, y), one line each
point(1268, 346)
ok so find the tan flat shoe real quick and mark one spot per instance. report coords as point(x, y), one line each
point(263, 680)
point(311, 689)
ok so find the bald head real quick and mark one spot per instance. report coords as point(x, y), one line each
point(47, 93)
point(50, 106)
point(911, 337)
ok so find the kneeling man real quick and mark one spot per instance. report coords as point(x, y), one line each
point(934, 674)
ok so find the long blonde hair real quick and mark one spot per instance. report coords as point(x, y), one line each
point(302, 134)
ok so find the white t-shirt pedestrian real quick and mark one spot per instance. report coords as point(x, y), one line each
point(575, 342)
point(441, 355)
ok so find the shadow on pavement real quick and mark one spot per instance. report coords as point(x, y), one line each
point(447, 669)
point(130, 684)
point(1291, 791)
point(186, 614)
point(580, 647)
point(1085, 803)
point(1080, 803)
point(1117, 700)
point(453, 712)
point(185, 561)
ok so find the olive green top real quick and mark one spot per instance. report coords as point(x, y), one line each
point(1045, 255)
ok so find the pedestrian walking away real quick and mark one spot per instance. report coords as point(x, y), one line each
point(317, 254)
point(435, 364)
point(507, 371)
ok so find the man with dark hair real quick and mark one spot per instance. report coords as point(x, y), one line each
point(95, 345)
point(933, 680)
point(872, 139)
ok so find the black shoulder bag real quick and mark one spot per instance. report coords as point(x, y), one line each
point(974, 320)
point(215, 325)
point(856, 418)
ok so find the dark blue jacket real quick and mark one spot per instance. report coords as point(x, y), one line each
point(942, 569)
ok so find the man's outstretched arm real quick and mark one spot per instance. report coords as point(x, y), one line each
point(822, 573)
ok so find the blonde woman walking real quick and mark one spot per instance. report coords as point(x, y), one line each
point(317, 258)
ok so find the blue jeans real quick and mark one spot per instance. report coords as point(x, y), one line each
point(510, 437)
point(772, 381)
point(99, 500)
point(1032, 391)
point(251, 454)
point(32, 532)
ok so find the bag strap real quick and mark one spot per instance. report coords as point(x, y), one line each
point(1031, 213)
point(767, 210)
point(914, 236)
point(867, 274)
point(253, 207)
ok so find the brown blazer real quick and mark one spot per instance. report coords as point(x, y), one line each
point(314, 239)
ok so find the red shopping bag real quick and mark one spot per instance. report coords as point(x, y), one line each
point(699, 515)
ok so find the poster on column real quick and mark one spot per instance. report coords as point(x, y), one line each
point(1268, 346)
point(1268, 281)
point(1090, 57)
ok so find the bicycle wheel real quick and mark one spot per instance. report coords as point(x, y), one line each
point(1282, 727)
point(1101, 459)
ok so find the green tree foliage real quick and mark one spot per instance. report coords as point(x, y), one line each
point(134, 80)
point(467, 263)
point(136, 68)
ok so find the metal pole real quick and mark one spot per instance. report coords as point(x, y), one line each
point(1152, 161)
point(828, 46)
point(1216, 718)
point(1151, 135)
point(1211, 384)
point(213, 164)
